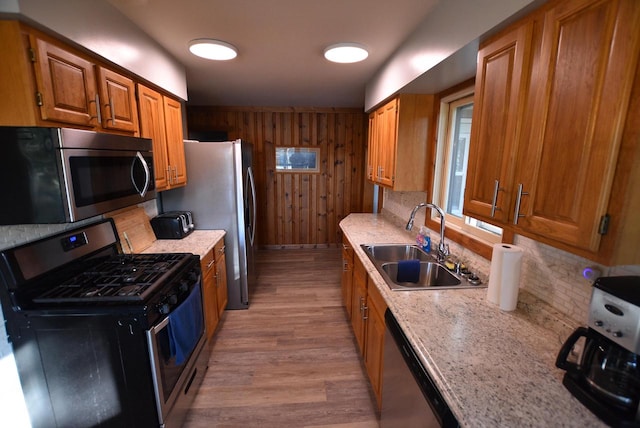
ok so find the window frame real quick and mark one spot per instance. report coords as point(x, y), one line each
point(288, 168)
point(472, 242)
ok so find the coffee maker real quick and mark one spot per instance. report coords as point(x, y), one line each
point(606, 376)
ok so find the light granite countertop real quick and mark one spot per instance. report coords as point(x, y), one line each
point(493, 368)
point(198, 242)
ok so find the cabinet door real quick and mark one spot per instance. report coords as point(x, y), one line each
point(118, 101)
point(372, 148)
point(221, 281)
point(358, 309)
point(375, 349)
point(175, 143)
point(67, 85)
point(17, 88)
point(210, 304)
point(582, 83)
point(501, 76)
point(347, 275)
point(387, 122)
point(152, 126)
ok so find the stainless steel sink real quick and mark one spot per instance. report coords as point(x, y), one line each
point(433, 275)
point(394, 253)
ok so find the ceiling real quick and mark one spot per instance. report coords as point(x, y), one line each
point(280, 43)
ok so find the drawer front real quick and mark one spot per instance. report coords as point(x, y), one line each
point(218, 250)
point(207, 263)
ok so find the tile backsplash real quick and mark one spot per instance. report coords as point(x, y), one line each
point(11, 236)
point(553, 276)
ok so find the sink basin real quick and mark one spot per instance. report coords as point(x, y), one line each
point(431, 275)
point(395, 252)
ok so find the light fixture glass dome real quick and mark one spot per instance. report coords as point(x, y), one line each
point(212, 49)
point(346, 53)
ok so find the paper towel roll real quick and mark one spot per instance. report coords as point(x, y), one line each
point(504, 277)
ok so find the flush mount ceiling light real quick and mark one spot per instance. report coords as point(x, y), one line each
point(346, 53)
point(212, 49)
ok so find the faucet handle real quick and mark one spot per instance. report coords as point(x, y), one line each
point(444, 248)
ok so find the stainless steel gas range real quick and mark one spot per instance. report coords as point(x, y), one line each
point(102, 338)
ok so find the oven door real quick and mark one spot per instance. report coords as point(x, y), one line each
point(99, 181)
point(175, 345)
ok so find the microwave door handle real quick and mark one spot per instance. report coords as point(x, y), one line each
point(147, 174)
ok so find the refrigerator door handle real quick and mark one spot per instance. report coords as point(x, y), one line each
point(251, 183)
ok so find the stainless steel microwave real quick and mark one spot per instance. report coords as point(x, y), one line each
point(60, 175)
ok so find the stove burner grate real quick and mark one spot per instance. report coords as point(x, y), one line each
point(122, 278)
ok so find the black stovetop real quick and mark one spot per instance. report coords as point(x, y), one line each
point(119, 278)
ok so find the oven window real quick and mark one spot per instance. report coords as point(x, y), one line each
point(102, 178)
point(178, 339)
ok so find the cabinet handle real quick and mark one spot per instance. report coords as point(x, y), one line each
point(175, 173)
point(98, 116)
point(496, 189)
point(169, 177)
point(345, 266)
point(365, 313)
point(517, 214)
point(210, 263)
point(221, 250)
point(113, 115)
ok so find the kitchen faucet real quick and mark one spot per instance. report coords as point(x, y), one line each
point(443, 249)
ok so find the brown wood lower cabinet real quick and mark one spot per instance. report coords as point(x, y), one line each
point(347, 275)
point(374, 342)
point(214, 286)
point(221, 277)
point(367, 320)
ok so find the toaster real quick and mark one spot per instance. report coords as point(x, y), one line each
point(172, 225)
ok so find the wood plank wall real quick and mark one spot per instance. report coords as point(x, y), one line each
point(298, 209)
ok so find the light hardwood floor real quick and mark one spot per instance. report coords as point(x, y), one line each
point(290, 360)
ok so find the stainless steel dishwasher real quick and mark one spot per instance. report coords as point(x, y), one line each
point(409, 396)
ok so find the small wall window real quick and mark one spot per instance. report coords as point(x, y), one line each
point(297, 159)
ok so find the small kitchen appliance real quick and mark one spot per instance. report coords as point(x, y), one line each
point(173, 225)
point(606, 376)
point(102, 338)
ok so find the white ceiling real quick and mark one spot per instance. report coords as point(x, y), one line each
point(280, 43)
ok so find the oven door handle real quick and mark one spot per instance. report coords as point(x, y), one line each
point(162, 324)
point(147, 174)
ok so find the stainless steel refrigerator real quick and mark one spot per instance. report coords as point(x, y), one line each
point(220, 192)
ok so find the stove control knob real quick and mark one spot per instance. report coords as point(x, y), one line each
point(598, 323)
point(617, 333)
point(164, 308)
point(184, 286)
point(173, 299)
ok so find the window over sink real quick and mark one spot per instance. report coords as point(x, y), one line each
point(454, 136)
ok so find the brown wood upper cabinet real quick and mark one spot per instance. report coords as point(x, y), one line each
point(119, 110)
point(52, 84)
point(551, 101)
point(398, 137)
point(161, 120)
